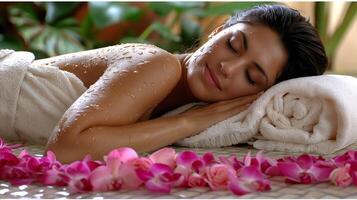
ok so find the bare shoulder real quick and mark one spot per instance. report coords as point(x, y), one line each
point(90, 65)
point(138, 77)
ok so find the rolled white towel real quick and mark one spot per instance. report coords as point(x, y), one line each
point(311, 114)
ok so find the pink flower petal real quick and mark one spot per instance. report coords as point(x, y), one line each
point(196, 180)
point(186, 158)
point(156, 185)
point(251, 173)
point(158, 168)
point(143, 174)
point(290, 170)
point(247, 159)
point(102, 180)
point(165, 156)
point(341, 176)
point(305, 161)
point(238, 187)
point(320, 173)
point(130, 178)
point(119, 156)
point(208, 158)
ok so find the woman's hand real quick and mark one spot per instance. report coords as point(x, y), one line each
point(202, 118)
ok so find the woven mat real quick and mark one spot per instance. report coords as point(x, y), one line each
point(279, 188)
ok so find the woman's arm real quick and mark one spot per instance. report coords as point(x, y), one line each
point(145, 136)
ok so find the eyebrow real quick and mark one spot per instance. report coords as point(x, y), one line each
point(245, 44)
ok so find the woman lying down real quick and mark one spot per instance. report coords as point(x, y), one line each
point(94, 101)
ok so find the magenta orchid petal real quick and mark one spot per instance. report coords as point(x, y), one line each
point(22, 181)
point(156, 185)
point(320, 173)
point(197, 164)
point(305, 161)
point(208, 158)
point(165, 156)
point(250, 179)
point(290, 170)
point(51, 156)
point(7, 158)
point(53, 177)
point(250, 172)
point(186, 158)
point(78, 167)
point(158, 168)
point(143, 174)
point(238, 187)
point(273, 171)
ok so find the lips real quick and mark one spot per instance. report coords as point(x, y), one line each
point(213, 77)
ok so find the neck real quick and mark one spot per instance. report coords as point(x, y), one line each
point(180, 94)
point(182, 88)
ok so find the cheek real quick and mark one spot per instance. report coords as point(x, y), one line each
point(239, 88)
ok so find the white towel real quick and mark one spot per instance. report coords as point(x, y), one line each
point(33, 98)
point(311, 114)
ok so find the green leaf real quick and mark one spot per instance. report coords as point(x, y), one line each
point(86, 27)
point(164, 8)
point(67, 22)
point(107, 13)
point(24, 8)
point(68, 42)
point(190, 30)
point(7, 42)
point(58, 10)
point(341, 30)
point(165, 32)
point(321, 18)
point(229, 7)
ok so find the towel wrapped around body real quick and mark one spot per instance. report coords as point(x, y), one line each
point(33, 98)
point(311, 114)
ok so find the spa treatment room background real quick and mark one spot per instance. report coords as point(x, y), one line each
point(54, 28)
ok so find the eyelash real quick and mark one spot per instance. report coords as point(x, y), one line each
point(249, 79)
point(230, 45)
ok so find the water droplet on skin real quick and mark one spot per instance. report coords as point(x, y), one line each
point(85, 71)
point(152, 51)
point(135, 71)
point(132, 96)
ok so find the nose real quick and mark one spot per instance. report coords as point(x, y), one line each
point(229, 67)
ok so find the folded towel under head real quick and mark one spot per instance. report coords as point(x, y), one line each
point(311, 114)
point(33, 98)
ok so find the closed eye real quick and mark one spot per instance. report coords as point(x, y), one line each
point(249, 78)
point(229, 44)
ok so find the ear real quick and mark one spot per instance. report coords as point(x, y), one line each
point(215, 31)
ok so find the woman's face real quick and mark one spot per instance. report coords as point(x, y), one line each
point(237, 61)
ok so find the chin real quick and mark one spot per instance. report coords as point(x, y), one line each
point(201, 93)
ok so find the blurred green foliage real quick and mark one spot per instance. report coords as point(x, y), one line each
point(53, 28)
